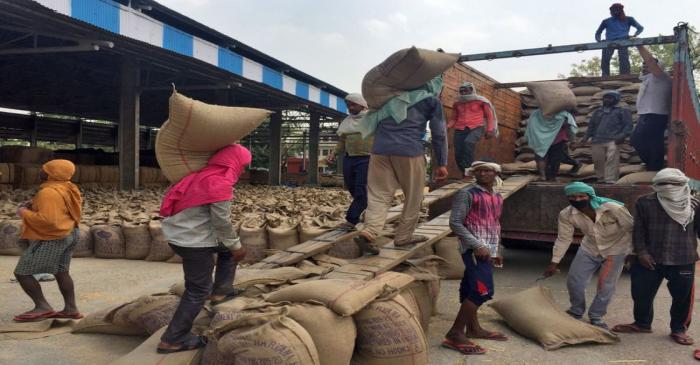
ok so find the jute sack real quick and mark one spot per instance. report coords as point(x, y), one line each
point(431, 266)
point(345, 249)
point(334, 336)
point(195, 130)
point(406, 69)
point(631, 169)
point(424, 292)
point(307, 231)
point(345, 297)
point(101, 322)
point(553, 96)
point(146, 354)
point(283, 236)
point(328, 261)
point(160, 250)
point(586, 90)
point(248, 278)
point(534, 314)
point(253, 237)
point(108, 241)
point(448, 249)
point(643, 177)
point(7, 173)
point(152, 312)
point(84, 248)
point(311, 268)
point(10, 243)
point(266, 338)
point(389, 334)
point(137, 241)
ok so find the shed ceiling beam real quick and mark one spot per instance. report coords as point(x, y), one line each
point(81, 47)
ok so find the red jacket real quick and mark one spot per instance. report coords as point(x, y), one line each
point(471, 114)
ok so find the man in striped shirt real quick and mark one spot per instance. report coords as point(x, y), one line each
point(475, 219)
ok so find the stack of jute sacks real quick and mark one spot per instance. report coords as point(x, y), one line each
point(267, 218)
point(291, 315)
point(587, 97)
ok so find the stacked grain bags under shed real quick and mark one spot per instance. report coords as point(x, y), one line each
point(589, 97)
point(118, 224)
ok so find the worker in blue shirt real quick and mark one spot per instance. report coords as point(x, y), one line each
point(617, 27)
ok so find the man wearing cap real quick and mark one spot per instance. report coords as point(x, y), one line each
point(472, 116)
point(653, 107)
point(666, 230)
point(608, 127)
point(355, 152)
point(475, 219)
point(617, 27)
point(50, 223)
point(607, 239)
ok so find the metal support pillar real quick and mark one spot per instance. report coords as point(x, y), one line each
point(275, 173)
point(128, 134)
point(35, 130)
point(79, 135)
point(314, 136)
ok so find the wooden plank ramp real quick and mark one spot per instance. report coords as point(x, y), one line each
point(324, 242)
point(367, 267)
point(390, 256)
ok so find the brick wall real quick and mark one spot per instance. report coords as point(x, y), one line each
point(506, 102)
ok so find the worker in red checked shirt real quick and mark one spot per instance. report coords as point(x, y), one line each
point(473, 116)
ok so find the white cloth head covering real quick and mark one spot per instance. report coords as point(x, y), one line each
point(357, 99)
point(484, 164)
point(676, 200)
point(349, 125)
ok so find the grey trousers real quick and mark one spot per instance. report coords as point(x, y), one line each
point(582, 269)
point(606, 161)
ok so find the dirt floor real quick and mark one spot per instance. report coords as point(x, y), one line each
point(101, 283)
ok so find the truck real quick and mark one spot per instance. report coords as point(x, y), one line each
point(531, 214)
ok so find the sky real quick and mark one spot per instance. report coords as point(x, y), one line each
point(339, 41)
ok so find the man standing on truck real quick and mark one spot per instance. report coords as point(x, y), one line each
point(607, 239)
point(475, 219)
point(398, 160)
point(653, 107)
point(472, 116)
point(666, 229)
point(617, 27)
point(548, 137)
point(608, 128)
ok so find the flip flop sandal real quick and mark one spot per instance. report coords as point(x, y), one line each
point(68, 315)
point(190, 344)
point(463, 348)
point(630, 328)
point(696, 354)
point(33, 317)
point(366, 246)
point(227, 297)
point(682, 339)
point(493, 336)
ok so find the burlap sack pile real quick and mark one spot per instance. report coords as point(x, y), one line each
point(587, 98)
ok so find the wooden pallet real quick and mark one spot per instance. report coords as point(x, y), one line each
point(390, 256)
point(434, 229)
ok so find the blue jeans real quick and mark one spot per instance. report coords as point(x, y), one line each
point(622, 55)
point(355, 177)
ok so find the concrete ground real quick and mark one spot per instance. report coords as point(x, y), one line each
point(101, 283)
